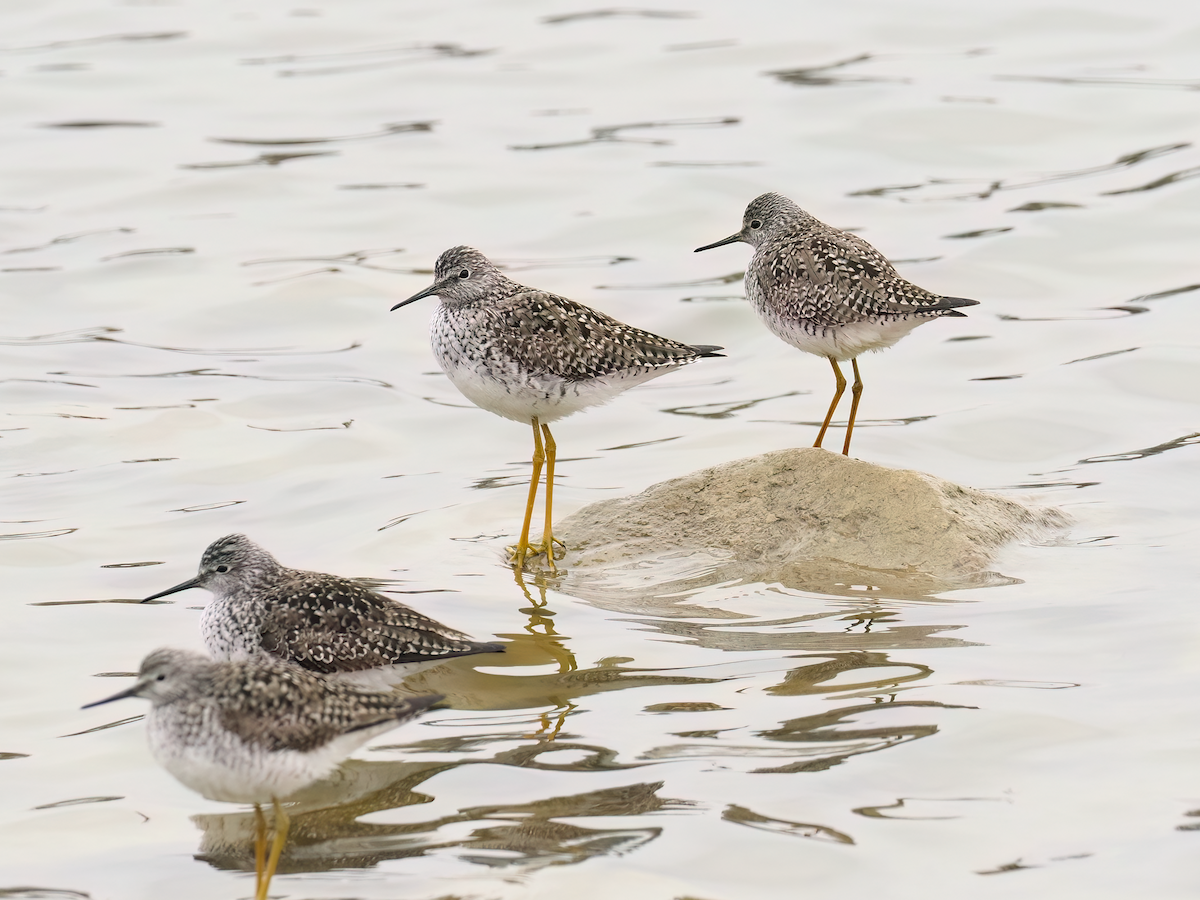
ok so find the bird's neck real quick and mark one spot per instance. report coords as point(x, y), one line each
point(252, 580)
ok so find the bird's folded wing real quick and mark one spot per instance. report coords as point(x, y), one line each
point(277, 709)
point(348, 628)
point(295, 710)
point(552, 335)
point(860, 282)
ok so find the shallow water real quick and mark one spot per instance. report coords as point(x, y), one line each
point(207, 211)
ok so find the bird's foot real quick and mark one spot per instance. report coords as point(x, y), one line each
point(558, 547)
point(518, 556)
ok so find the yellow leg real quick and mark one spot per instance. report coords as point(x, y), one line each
point(856, 391)
point(549, 732)
point(547, 533)
point(837, 396)
point(539, 456)
point(553, 642)
point(282, 824)
point(260, 849)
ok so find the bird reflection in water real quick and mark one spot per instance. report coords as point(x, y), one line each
point(541, 626)
point(524, 835)
point(850, 652)
point(328, 830)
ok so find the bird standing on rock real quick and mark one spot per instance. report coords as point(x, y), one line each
point(828, 292)
point(261, 609)
point(535, 357)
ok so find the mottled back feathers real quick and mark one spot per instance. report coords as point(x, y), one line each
point(835, 278)
point(820, 277)
point(329, 624)
point(279, 707)
point(510, 326)
point(323, 623)
point(265, 704)
point(545, 334)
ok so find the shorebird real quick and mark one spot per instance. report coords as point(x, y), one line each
point(535, 357)
point(256, 731)
point(323, 623)
point(828, 292)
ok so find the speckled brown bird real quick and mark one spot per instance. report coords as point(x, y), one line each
point(535, 357)
point(261, 609)
point(257, 731)
point(828, 292)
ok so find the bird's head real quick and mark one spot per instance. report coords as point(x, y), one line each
point(226, 563)
point(462, 275)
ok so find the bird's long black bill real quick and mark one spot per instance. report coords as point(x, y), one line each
point(120, 695)
point(732, 239)
point(187, 585)
point(420, 295)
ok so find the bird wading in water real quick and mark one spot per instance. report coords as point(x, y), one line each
point(257, 731)
point(535, 357)
point(828, 292)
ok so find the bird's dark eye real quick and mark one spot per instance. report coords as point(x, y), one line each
point(465, 273)
point(756, 223)
point(160, 677)
point(222, 569)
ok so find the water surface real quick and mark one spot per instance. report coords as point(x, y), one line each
point(206, 212)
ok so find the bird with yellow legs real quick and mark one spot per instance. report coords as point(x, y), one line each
point(535, 357)
point(257, 732)
point(829, 292)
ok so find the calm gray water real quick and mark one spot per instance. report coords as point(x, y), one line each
point(207, 210)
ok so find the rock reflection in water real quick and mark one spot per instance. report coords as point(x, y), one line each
point(826, 739)
point(783, 636)
point(822, 741)
point(743, 816)
point(815, 678)
point(817, 742)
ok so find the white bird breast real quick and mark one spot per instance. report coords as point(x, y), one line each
point(520, 397)
point(215, 763)
point(842, 342)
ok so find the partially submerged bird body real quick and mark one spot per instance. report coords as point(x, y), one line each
point(247, 731)
point(828, 292)
point(261, 775)
point(257, 731)
point(535, 357)
point(264, 610)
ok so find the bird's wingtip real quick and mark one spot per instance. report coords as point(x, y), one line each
point(425, 702)
point(946, 306)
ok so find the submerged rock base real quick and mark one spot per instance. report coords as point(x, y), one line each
point(805, 518)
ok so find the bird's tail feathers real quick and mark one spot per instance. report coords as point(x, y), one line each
point(420, 704)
